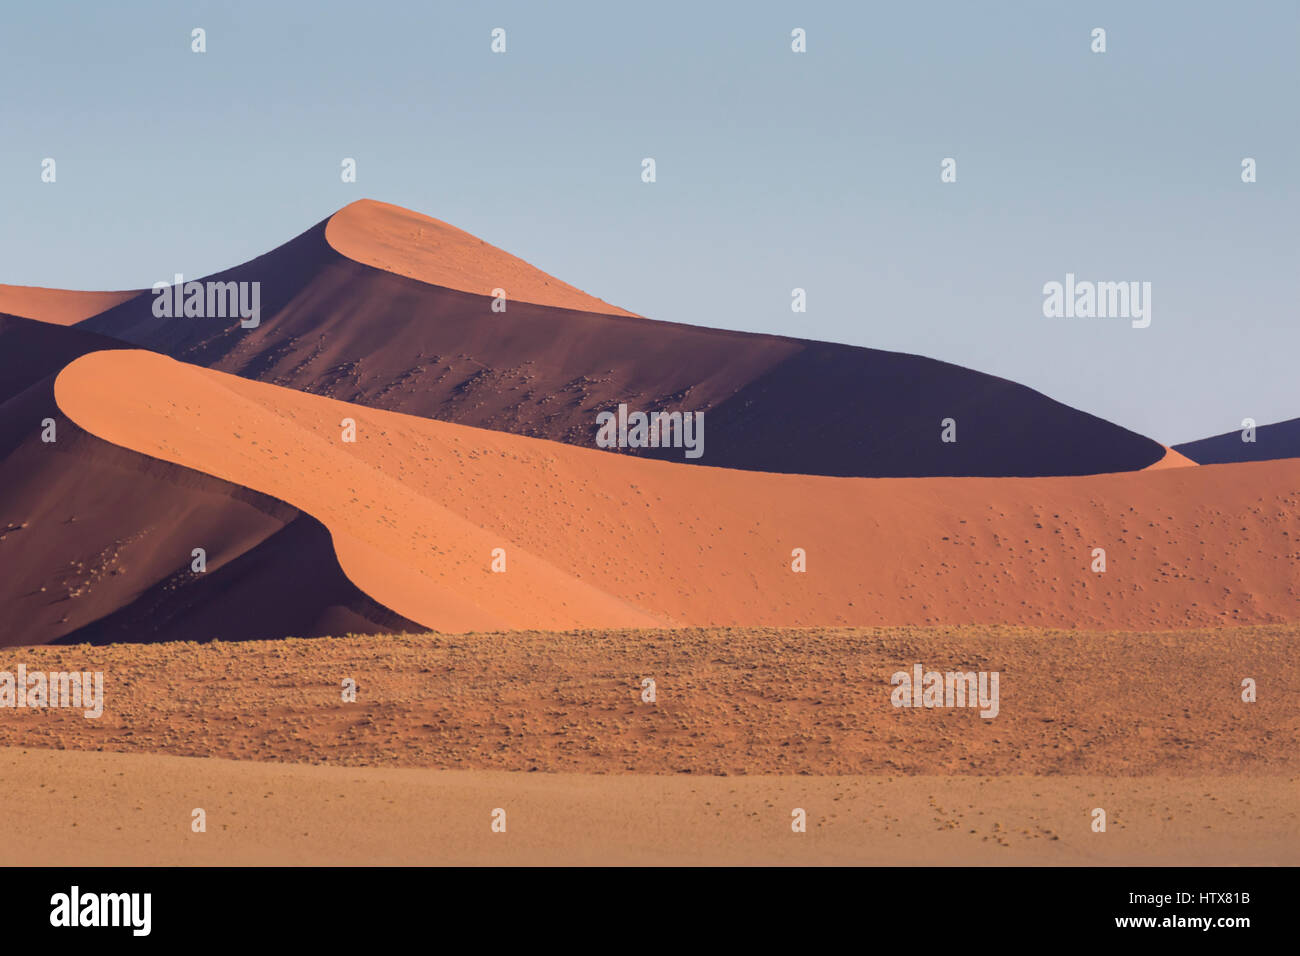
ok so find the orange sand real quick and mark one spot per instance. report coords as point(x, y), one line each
point(136, 810)
point(58, 306)
point(420, 247)
point(729, 701)
point(415, 507)
point(1172, 459)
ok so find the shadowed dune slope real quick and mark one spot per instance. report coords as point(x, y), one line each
point(392, 310)
point(415, 508)
point(288, 583)
point(58, 306)
point(1279, 440)
point(96, 539)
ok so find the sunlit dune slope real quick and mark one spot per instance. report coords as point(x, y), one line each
point(58, 306)
point(1172, 459)
point(411, 244)
point(415, 508)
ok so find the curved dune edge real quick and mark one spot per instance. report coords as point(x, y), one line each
point(415, 507)
point(403, 550)
point(58, 306)
point(407, 243)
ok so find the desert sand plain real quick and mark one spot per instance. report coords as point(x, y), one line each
point(748, 725)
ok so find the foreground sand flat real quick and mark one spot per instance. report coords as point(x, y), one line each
point(127, 809)
point(748, 724)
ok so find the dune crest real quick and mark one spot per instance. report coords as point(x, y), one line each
point(407, 243)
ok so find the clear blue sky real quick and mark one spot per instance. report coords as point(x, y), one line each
point(775, 170)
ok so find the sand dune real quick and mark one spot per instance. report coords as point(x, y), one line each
point(1120, 684)
point(416, 506)
point(404, 549)
point(58, 306)
point(1278, 440)
point(389, 309)
point(96, 540)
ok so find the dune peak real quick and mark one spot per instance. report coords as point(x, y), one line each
point(411, 244)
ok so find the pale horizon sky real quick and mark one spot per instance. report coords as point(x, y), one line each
point(775, 169)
